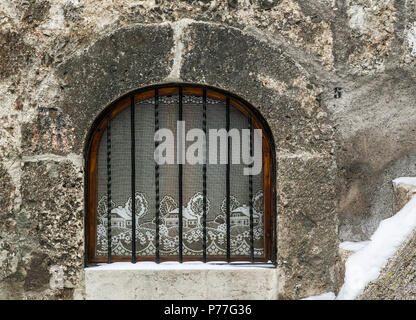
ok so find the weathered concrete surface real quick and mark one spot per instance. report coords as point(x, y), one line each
point(375, 128)
point(63, 61)
point(204, 284)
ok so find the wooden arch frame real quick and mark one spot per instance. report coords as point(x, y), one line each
point(269, 156)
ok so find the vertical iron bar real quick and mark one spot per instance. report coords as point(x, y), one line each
point(204, 178)
point(250, 188)
point(133, 182)
point(109, 189)
point(157, 200)
point(180, 182)
point(228, 178)
point(273, 183)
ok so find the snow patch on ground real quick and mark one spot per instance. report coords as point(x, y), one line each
point(323, 296)
point(365, 265)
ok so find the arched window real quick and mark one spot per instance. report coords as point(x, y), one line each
point(189, 202)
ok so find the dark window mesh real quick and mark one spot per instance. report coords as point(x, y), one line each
point(192, 186)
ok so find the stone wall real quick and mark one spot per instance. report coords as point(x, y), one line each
point(63, 61)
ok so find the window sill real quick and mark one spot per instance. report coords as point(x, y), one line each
point(178, 266)
point(189, 280)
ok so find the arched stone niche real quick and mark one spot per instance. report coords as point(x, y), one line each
point(259, 71)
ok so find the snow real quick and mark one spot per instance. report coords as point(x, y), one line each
point(323, 296)
point(405, 180)
point(171, 265)
point(365, 265)
point(353, 246)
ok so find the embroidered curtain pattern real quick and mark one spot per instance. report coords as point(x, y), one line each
point(192, 186)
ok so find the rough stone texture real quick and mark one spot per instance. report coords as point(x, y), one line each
point(213, 284)
point(63, 61)
point(121, 61)
point(48, 230)
point(397, 280)
point(375, 127)
point(402, 192)
point(372, 32)
point(49, 132)
point(6, 198)
point(306, 207)
point(52, 195)
point(342, 258)
point(8, 250)
point(14, 53)
point(266, 76)
point(374, 118)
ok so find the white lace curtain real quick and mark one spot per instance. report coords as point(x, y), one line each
point(192, 187)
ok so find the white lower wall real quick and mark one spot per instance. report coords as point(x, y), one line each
point(187, 281)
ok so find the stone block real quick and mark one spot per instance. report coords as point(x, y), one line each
point(124, 60)
point(307, 224)
point(52, 206)
point(226, 283)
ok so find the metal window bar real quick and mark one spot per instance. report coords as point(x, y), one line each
point(180, 116)
point(274, 224)
point(250, 188)
point(133, 182)
point(227, 110)
point(109, 189)
point(157, 199)
point(204, 178)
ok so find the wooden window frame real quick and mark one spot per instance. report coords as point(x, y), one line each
point(98, 128)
